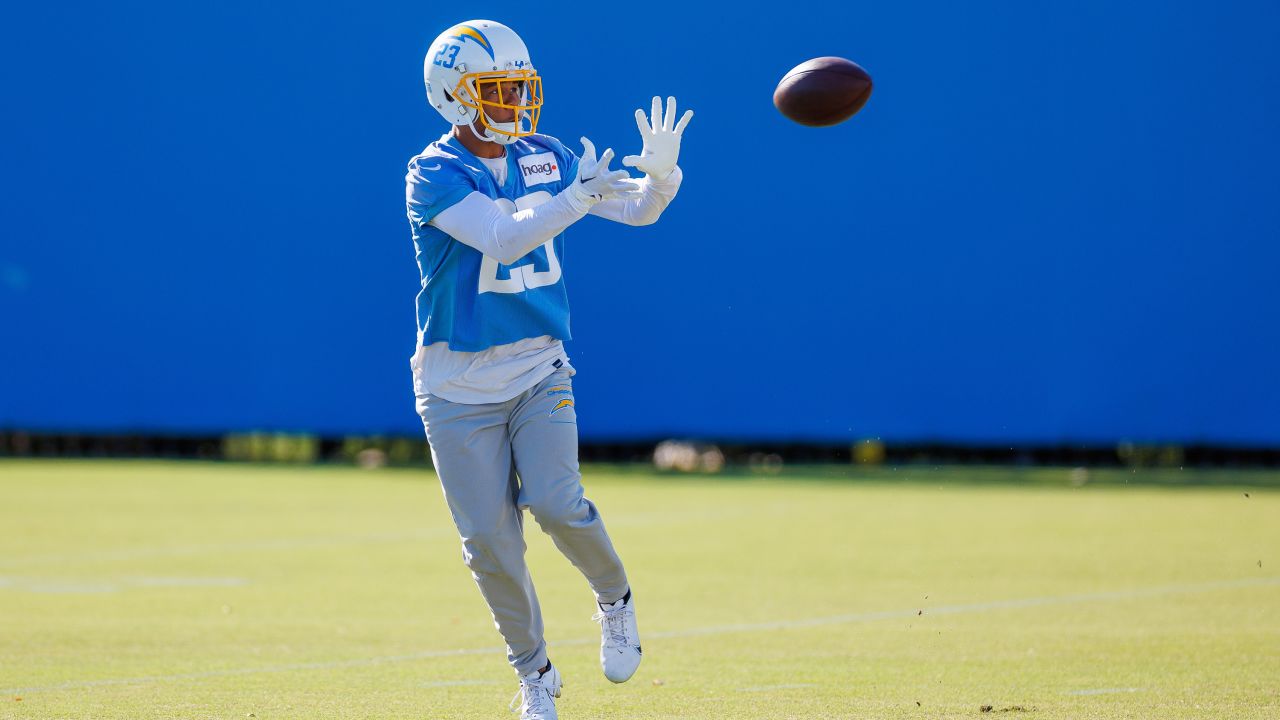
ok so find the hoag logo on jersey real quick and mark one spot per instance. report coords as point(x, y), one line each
point(539, 169)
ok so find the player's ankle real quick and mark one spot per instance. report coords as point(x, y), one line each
point(625, 600)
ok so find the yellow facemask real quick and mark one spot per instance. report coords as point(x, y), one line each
point(469, 92)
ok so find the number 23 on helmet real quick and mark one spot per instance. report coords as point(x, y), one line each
point(476, 54)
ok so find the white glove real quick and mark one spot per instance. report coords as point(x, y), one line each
point(596, 182)
point(661, 140)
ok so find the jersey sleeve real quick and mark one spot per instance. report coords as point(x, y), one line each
point(432, 185)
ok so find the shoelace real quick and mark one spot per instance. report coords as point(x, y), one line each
point(534, 694)
point(616, 623)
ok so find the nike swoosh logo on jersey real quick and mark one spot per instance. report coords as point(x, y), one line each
point(433, 167)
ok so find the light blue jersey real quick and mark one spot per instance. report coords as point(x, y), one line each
point(471, 301)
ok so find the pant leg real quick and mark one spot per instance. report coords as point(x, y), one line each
point(544, 440)
point(471, 449)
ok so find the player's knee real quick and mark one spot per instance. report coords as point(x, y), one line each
point(481, 550)
point(556, 512)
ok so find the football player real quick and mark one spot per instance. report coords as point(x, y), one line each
point(488, 206)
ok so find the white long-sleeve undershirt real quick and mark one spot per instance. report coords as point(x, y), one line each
point(646, 209)
point(480, 222)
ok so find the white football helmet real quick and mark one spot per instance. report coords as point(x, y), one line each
point(477, 52)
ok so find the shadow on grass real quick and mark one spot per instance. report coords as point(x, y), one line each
point(917, 474)
point(1038, 476)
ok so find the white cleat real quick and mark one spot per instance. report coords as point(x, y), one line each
point(537, 695)
point(619, 640)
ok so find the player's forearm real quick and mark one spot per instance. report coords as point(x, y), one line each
point(479, 222)
point(645, 210)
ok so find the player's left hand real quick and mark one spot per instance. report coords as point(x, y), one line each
point(661, 140)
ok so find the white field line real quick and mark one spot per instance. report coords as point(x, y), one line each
point(231, 672)
point(55, 586)
point(977, 607)
point(306, 543)
point(1103, 691)
point(771, 688)
point(1013, 604)
point(136, 553)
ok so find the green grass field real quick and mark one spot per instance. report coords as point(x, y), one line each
point(182, 590)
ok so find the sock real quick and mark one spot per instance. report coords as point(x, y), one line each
point(625, 599)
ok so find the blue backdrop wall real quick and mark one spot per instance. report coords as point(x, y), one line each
point(1054, 222)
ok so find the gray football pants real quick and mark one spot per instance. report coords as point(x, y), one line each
point(496, 459)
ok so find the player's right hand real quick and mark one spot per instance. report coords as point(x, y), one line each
point(596, 182)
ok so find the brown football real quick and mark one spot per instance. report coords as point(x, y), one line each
point(823, 91)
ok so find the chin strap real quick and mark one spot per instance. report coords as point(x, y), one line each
point(499, 138)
